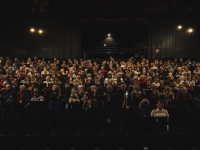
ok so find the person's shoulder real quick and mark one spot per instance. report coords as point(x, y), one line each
point(164, 109)
point(153, 110)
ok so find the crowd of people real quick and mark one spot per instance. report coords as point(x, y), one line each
point(90, 84)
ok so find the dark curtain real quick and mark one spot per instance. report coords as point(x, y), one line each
point(174, 43)
point(60, 39)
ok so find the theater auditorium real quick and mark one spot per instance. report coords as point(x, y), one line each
point(99, 75)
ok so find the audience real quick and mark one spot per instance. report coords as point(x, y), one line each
point(34, 79)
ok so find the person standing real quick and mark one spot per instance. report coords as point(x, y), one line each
point(157, 54)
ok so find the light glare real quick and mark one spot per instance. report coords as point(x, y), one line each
point(190, 30)
point(32, 30)
point(179, 27)
point(40, 31)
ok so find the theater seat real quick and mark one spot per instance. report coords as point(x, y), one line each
point(55, 113)
point(34, 113)
point(36, 127)
point(60, 127)
point(156, 141)
point(85, 133)
point(137, 125)
point(181, 132)
point(109, 126)
point(12, 113)
point(180, 125)
point(84, 126)
point(38, 105)
point(11, 127)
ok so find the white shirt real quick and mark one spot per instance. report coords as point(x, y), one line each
point(39, 98)
point(159, 113)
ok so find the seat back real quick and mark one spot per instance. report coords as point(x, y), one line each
point(180, 125)
point(12, 113)
point(84, 126)
point(11, 127)
point(55, 113)
point(38, 105)
point(60, 127)
point(36, 127)
point(109, 126)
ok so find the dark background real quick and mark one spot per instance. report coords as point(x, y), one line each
point(72, 29)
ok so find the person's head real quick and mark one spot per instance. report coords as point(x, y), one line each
point(148, 83)
point(157, 50)
point(22, 88)
point(54, 87)
point(153, 86)
point(180, 87)
point(93, 88)
point(109, 88)
point(156, 80)
point(144, 103)
point(160, 104)
point(184, 90)
point(98, 82)
point(123, 86)
point(73, 92)
point(86, 95)
point(80, 88)
point(161, 81)
point(7, 86)
point(36, 91)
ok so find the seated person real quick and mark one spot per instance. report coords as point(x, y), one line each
point(167, 95)
point(87, 103)
point(73, 101)
point(21, 98)
point(36, 96)
point(136, 95)
point(54, 101)
point(109, 94)
point(141, 110)
point(159, 112)
point(182, 94)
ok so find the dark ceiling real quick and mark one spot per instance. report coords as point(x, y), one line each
point(99, 12)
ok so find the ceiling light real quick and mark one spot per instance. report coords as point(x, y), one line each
point(179, 27)
point(32, 30)
point(40, 31)
point(190, 30)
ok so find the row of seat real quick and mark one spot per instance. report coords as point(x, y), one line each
point(108, 104)
point(92, 113)
point(136, 142)
point(92, 126)
point(129, 133)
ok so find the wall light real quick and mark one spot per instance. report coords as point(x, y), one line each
point(179, 27)
point(190, 30)
point(32, 30)
point(40, 31)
